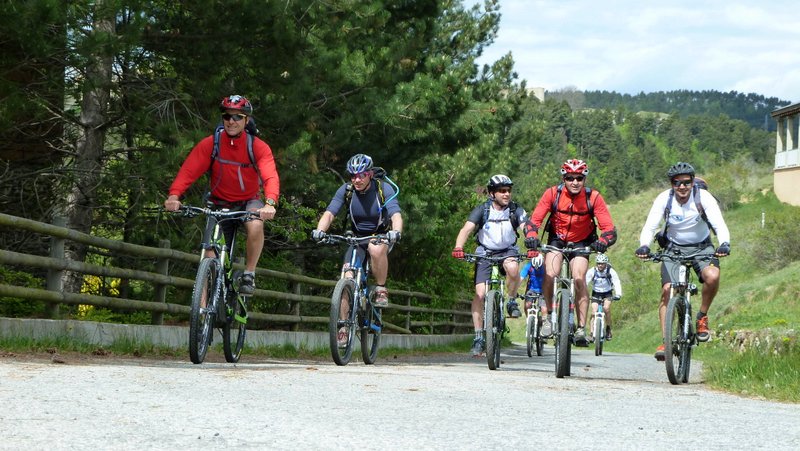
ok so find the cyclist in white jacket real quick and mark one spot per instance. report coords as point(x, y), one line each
point(606, 287)
point(687, 229)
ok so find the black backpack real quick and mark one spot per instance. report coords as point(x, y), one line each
point(512, 215)
point(380, 177)
point(250, 131)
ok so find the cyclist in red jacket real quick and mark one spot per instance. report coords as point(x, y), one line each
point(235, 180)
point(573, 208)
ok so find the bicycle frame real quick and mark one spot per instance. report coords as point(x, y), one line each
point(563, 308)
point(599, 333)
point(533, 324)
point(215, 301)
point(362, 314)
point(678, 348)
point(493, 305)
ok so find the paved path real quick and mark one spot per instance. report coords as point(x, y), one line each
point(439, 402)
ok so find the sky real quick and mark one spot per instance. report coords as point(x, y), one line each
point(628, 46)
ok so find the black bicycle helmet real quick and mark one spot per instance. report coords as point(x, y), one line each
point(680, 168)
point(498, 181)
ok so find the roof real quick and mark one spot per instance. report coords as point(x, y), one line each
point(787, 110)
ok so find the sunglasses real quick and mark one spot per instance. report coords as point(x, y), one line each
point(503, 190)
point(360, 175)
point(235, 117)
point(571, 178)
point(677, 183)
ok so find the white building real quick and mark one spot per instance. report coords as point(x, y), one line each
point(787, 154)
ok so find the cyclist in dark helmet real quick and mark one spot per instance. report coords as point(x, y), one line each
point(688, 232)
point(236, 180)
point(496, 222)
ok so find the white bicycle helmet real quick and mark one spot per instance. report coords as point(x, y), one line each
point(601, 258)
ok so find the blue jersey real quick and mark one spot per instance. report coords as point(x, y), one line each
point(535, 276)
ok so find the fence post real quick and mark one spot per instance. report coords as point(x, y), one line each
point(54, 276)
point(408, 313)
point(162, 267)
point(294, 306)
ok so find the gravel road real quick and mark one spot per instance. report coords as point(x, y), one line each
point(433, 402)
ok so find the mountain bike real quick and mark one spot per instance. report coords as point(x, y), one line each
point(563, 306)
point(533, 325)
point(679, 334)
point(352, 303)
point(216, 301)
point(494, 319)
point(598, 325)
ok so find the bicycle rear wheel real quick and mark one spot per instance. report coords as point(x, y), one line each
point(342, 299)
point(207, 289)
point(599, 337)
point(235, 327)
point(562, 340)
point(370, 331)
point(677, 346)
point(494, 330)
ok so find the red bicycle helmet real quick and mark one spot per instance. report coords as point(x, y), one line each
point(237, 103)
point(574, 166)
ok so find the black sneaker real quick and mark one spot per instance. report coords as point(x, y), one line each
point(580, 338)
point(608, 333)
point(513, 309)
point(247, 285)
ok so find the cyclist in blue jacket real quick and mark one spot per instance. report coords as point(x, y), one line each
point(533, 270)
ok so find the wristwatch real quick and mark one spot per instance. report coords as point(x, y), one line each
point(271, 202)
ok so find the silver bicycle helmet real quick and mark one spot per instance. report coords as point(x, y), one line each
point(359, 163)
point(601, 258)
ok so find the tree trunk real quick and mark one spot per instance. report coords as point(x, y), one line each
point(87, 164)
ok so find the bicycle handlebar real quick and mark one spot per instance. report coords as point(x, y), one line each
point(472, 258)
point(677, 257)
point(569, 251)
point(189, 211)
point(352, 239)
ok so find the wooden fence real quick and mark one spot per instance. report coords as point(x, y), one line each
point(413, 315)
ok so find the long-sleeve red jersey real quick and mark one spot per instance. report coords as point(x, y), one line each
point(230, 182)
point(571, 221)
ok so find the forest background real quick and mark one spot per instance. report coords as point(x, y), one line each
point(103, 99)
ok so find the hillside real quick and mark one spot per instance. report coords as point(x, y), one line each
point(751, 108)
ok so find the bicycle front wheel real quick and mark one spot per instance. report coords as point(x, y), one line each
point(342, 302)
point(207, 289)
point(235, 327)
point(494, 330)
point(677, 345)
point(562, 340)
point(598, 335)
point(530, 334)
point(370, 331)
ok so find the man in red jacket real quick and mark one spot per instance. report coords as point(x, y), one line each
point(235, 180)
point(573, 209)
